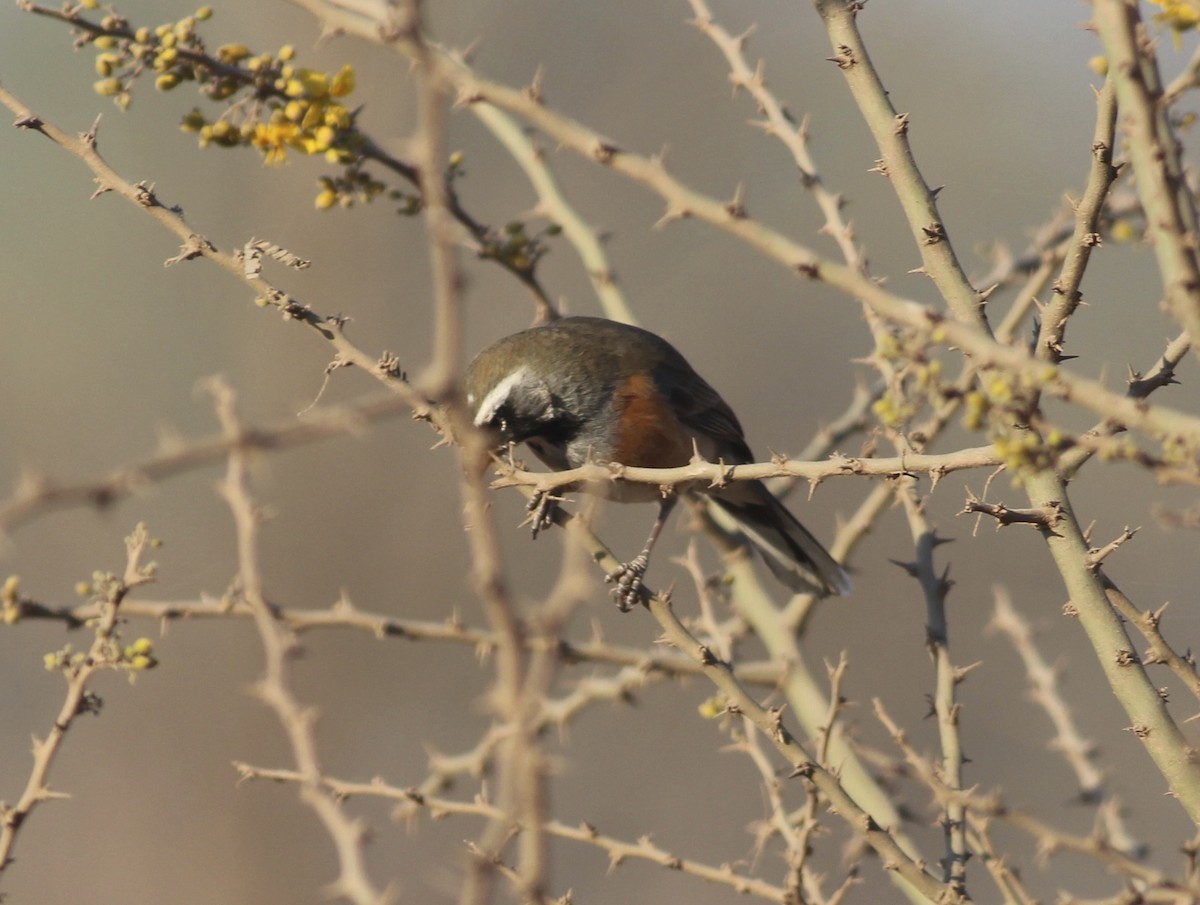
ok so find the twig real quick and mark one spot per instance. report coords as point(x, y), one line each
point(78, 670)
point(934, 588)
point(717, 474)
point(275, 687)
point(1148, 623)
point(1046, 516)
point(1077, 751)
point(618, 850)
point(1086, 236)
point(36, 496)
point(1154, 152)
point(343, 614)
point(770, 723)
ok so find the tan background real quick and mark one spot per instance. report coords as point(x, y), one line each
point(101, 349)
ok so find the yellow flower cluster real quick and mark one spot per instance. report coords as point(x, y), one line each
point(1181, 15)
point(1025, 451)
point(136, 657)
point(289, 108)
point(313, 118)
point(302, 111)
point(356, 185)
point(139, 655)
point(172, 50)
point(1178, 15)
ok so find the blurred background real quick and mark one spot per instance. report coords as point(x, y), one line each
point(103, 348)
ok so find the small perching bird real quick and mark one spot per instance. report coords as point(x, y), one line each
point(582, 389)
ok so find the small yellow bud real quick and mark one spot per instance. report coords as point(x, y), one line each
point(343, 83)
point(233, 53)
point(83, 588)
point(105, 42)
point(325, 199)
point(192, 122)
point(1123, 231)
point(141, 661)
point(166, 82)
point(223, 89)
point(107, 87)
point(204, 13)
point(50, 661)
point(1099, 64)
point(999, 389)
point(324, 137)
point(106, 63)
point(456, 159)
point(142, 646)
point(142, 35)
point(286, 53)
point(336, 116)
point(90, 4)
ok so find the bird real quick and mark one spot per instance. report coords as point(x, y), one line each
point(587, 389)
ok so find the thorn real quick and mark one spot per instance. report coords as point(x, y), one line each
point(737, 207)
point(91, 135)
point(534, 89)
point(845, 57)
point(672, 214)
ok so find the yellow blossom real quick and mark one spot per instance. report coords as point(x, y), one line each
point(1179, 15)
point(307, 83)
point(343, 83)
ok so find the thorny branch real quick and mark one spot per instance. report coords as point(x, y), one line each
point(79, 669)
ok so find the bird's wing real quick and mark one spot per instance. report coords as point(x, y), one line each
point(701, 409)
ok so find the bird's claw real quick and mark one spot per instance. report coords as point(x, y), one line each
point(628, 580)
point(541, 508)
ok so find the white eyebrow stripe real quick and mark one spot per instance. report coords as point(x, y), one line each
point(497, 396)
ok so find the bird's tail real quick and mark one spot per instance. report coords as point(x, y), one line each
point(795, 557)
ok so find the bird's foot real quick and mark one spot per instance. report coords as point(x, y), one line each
point(628, 580)
point(541, 508)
